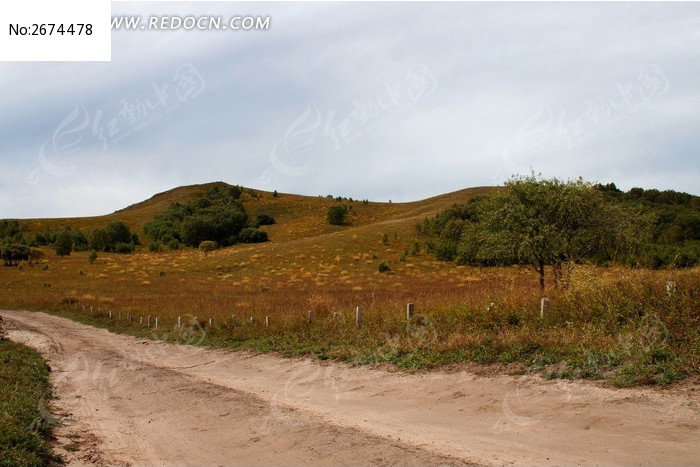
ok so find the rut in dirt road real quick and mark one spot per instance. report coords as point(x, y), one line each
point(151, 403)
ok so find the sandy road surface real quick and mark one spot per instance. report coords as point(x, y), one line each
point(141, 402)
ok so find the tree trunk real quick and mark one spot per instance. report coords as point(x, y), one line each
point(541, 271)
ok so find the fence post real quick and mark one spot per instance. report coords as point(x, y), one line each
point(141, 320)
point(670, 288)
point(311, 315)
point(267, 321)
point(179, 322)
point(120, 315)
point(544, 305)
point(110, 314)
point(157, 322)
point(358, 317)
point(148, 321)
point(211, 322)
point(409, 311)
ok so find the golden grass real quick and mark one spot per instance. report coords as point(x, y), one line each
point(309, 265)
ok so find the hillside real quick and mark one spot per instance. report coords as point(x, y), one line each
point(297, 216)
point(380, 263)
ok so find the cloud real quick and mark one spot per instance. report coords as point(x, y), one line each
point(409, 100)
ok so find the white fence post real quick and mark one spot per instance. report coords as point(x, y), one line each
point(544, 305)
point(358, 317)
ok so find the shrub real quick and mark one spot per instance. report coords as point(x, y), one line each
point(92, 257)
point(252, 235)
point(264, 219)
point(218, 216)
point(207, 246)
point(173, 245)
point(155, 247)
point(35, 255)
point(12, 254)
point(337, 214)
point(80, 241)
point(383, 267)
point(124, 248)
point(64, 243)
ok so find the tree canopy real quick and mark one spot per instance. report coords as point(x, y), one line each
point(217, 216)
point(539, 222)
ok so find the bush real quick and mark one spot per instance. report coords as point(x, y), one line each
point(173, 245)
point(207, 246)
point(80, 241)
point(383, 267)
point(155, 247)
point(124, 247)
point(264, 219)
point(92, 257)
point(35, 255)
point(218, 216)
point(12, 254)
point(337, 214)
point(252, 235)
point(64, 243)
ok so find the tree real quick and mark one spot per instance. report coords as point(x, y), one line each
point(12, 254)
point(337, 214)
point(98, 240)
point(252, 235)
point(264, 219)
point(35, 255)
point(64, 243)
point(537, 222)
point(117, 232)
point(92, 257)
point(207, 246)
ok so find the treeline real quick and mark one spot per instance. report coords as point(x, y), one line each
point(675, 229)
point(539, 222)
point(218, 216)
point(116, 237)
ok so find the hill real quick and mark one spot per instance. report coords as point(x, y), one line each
point(297, 216)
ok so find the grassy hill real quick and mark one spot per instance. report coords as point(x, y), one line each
point(297, 216)
point(612, 322)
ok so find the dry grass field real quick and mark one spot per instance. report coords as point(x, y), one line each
point(612, 323)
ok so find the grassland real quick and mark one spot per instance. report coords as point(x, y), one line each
point(25, 421)
point(612, 323)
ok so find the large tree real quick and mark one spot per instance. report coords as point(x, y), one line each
point(64, 243)
point(548, 222)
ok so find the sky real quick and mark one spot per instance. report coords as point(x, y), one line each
point(383, 101)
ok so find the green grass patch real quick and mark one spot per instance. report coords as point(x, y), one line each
point(25, 421)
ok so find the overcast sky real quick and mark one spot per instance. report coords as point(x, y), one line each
point(380, 101)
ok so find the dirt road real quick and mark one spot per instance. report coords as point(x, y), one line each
point(129, 401)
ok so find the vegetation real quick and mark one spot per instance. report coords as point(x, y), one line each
point(207, 246)
point(25, 422)
point(64, 243)
point(264, 219)
point(218, 216)
point(12, 254)
point(612, 322)
point(35, 255)
point(337, 214)
point(116, 237)
point(675, 231)
point(541, 223)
